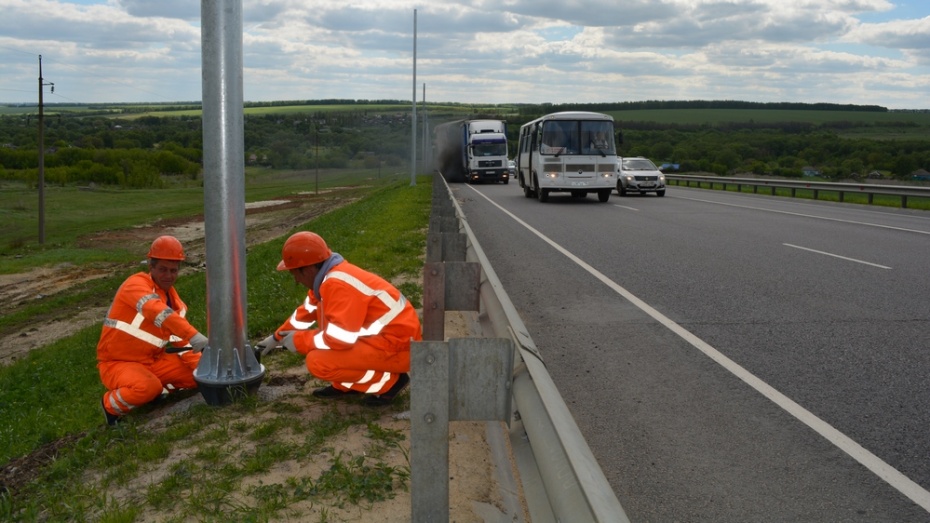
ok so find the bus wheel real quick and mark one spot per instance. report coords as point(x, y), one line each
point(542, 194)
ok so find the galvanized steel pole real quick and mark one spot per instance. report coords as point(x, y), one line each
point(229, 366)
point(413, 119)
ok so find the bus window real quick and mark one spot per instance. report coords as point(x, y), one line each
point(559, 137)
point(597, 138)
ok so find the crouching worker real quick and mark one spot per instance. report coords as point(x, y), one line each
point(147, 345)
point(354, 327)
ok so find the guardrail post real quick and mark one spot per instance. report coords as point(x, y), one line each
point(429, 431)
point(466, 379)
point(449, 282)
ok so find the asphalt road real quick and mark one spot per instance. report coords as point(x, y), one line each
point(730, 357)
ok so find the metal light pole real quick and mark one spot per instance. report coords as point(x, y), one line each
point(413, 132)
point(228, 367)
point(42, 154)
point(426, 144)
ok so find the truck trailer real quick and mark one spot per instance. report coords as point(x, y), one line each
point(472, 151)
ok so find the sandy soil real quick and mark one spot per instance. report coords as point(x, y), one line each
point(476, 492)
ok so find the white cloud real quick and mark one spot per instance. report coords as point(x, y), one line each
point(481, 50)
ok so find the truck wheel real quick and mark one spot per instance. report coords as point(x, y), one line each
point(603, 195)
point(506, 181)
point(660, 193)
point(527, 191)
point(542, 195)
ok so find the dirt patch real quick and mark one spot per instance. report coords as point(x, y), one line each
point(264, 221)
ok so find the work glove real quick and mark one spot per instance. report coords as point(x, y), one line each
point(267, 345)
point(198, 342)
point(288, 341)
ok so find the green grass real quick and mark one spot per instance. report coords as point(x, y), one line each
point(51, 397)
point(73, 214)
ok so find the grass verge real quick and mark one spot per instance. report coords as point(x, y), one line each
point(49, 405)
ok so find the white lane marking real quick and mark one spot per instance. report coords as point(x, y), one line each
point(625, 207)
point(883, 470)
point(836, 256)
point(867, 224)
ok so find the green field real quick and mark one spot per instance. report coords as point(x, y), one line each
point(716, 116)
point(72, 213)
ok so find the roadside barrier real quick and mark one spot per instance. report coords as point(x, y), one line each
point(868, 189)
point(561, 479)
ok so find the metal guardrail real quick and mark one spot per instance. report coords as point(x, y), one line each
point(561, 479)
point(870, 190)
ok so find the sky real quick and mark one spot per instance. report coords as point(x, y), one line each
point(869, 52)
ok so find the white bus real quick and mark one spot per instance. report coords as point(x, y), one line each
point(573, 152)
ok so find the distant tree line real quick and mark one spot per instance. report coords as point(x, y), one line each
point(142, 152)
point(150, 151)
point(784, 151)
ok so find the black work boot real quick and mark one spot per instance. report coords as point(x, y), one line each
point(377, 400)
point(330, 392)
point(112, 419)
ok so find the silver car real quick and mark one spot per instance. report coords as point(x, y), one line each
point(639, 175)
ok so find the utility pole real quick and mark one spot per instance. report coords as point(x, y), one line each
point(42, 84)
point(426, 144)
point(413, 131)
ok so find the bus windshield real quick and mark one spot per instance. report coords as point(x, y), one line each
point(577, 137)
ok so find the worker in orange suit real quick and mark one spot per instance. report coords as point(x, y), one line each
point(354, 327)
point(147, 346)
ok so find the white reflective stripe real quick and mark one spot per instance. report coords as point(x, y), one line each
point(134, 331)
point(375, 328)
point(162, 316)
point(120, 405)
point(143, 300)
point(373, 388)
point(304, 325)
point(341, 334)
point(365, 379)
point(395, 307)
point(376, 388)
point(320, 341)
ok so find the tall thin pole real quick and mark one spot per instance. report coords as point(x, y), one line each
point(425, 132)
point(413, 132)
point(228, 365)
point(41, 159)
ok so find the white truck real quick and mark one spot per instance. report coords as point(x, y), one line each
point(472, 151)
point(572, 151)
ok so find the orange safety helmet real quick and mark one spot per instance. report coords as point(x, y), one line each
point(302, 249)
point(166, 248)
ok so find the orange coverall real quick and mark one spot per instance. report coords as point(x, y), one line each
point(131, 357)
point(357, 334)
